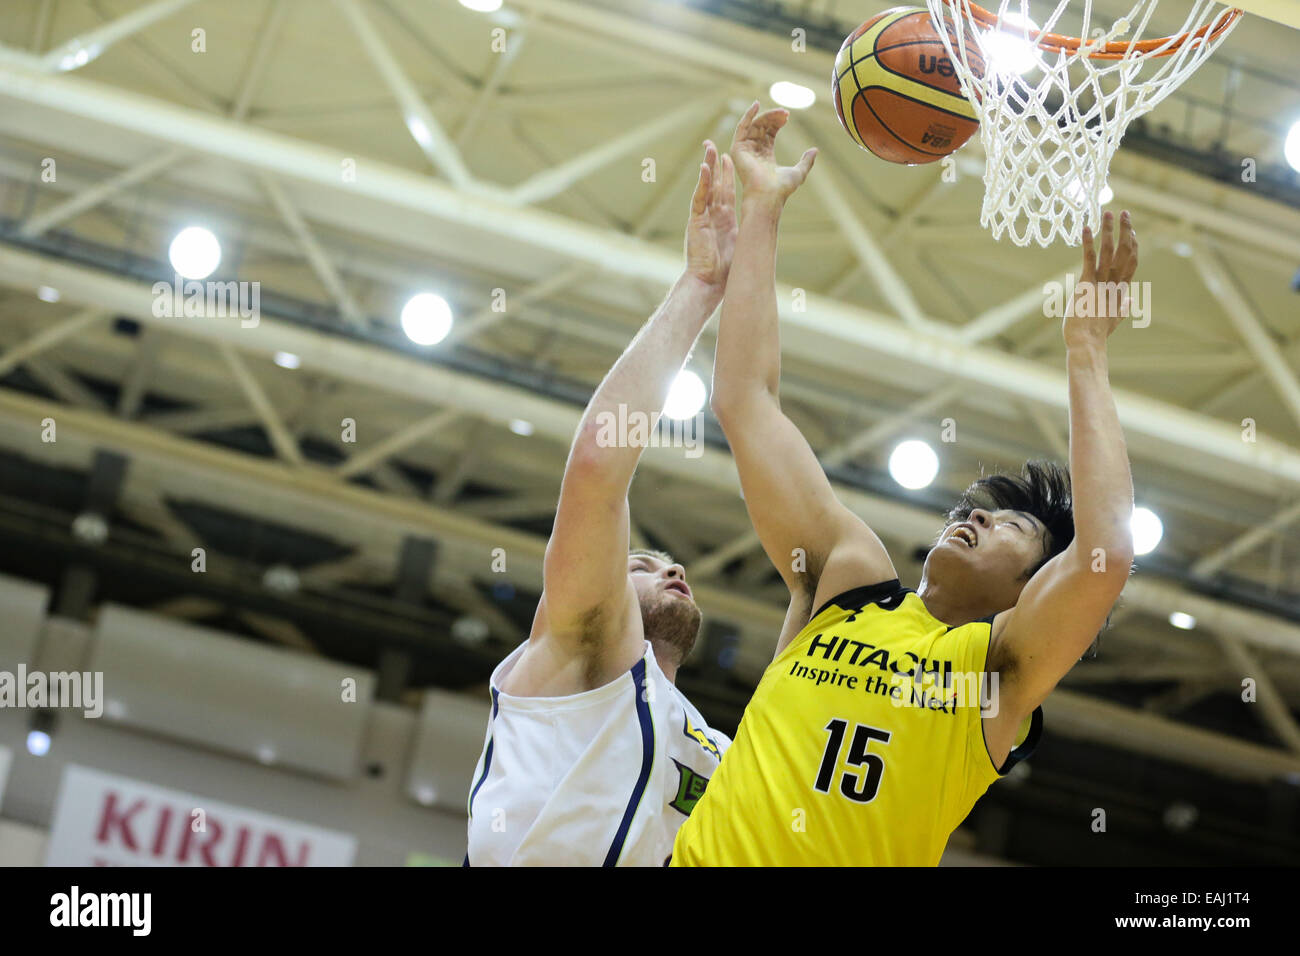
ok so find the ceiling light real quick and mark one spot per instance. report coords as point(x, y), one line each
point(792, 95)
point(426, 319)
point(913, 464)
point(38, 743)
point(1292, 148)
point(1008, 49)
point(1147, 530)
point(686, 396)
point(195, 253)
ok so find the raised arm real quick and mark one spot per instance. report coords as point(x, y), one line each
point(587, 595)
point(1063, 608)
point(819, 547)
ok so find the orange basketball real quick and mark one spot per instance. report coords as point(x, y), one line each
point(896, 91)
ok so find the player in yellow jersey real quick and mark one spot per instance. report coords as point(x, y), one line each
point(888, 712)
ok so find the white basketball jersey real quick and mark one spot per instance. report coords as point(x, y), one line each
point(601, 778)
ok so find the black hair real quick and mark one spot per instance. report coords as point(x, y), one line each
point(1042, 489)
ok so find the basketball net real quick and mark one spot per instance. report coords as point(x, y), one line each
point(1050, 132)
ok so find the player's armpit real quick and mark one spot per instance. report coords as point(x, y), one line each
point(797, 616)
point(1060, 613)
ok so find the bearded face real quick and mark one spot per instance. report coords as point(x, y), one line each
point(668, 610)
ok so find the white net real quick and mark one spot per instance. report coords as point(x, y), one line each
point(1052, 110)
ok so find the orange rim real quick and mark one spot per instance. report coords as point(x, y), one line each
point(1117, 50)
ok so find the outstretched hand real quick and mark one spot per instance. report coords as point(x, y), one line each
point(753, 150)
point(711, 232)
point(1101, 299)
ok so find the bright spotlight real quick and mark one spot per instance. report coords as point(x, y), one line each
point(1182, 621)
point(686, 396)
point(75, 55)
point(48, 293)
point(287, 360)
point(1075, 192)
point(913, 464)
point(195, 253)
point(792, 95)
point(1292, 148)
point(521, 427)
point(1007, 48)
point(426, 319)
point(482, 6)
point(1147, 530)
point(38, 743)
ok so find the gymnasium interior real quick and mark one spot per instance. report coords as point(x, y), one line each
point(295, 542)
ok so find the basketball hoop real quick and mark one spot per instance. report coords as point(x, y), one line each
point(1049, 140)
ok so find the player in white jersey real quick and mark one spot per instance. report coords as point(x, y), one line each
point(592, 755)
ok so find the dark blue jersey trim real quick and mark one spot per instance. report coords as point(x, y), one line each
point(487, 763)
point(647, 761)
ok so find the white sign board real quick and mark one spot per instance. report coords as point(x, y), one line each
point(101, 819)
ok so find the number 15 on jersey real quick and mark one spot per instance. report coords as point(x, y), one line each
point(862, 783)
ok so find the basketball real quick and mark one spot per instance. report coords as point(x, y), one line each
point(896, 91)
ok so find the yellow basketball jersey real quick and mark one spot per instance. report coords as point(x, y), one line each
point(862, 746)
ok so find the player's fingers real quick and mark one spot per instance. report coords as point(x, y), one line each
point(1130, 240)
point(1124, 245)
point(806, 162)
point(1107, 254)
point(1089, 257)
point(728, 187)
point(746, 121)
point(700, 200)
point(770, 123)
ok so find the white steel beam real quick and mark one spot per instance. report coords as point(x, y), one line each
point(317, 258)
point(487, 93)
point(1252, 539)
point(420, 121)
point(557, 179)
point(1271, 706)
point(1087, 718)
point(280, 438)
point(85, 47)
point(641, 33)
point(486, 318)
point(1006, 314)
point(363, 461)
point(887, 279)
point(1205, 446)
point(266, 43)
point(1262, 345)
point(50, 336)
point(93, 196)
